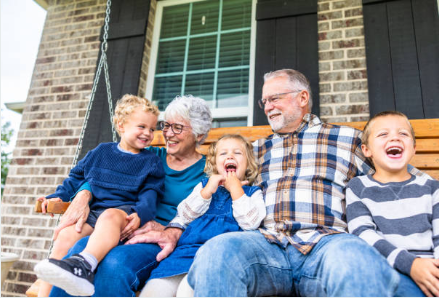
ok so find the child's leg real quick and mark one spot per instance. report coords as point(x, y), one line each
point(106, 234)
point(184, 289)
point(66, 239)
point(162, 287)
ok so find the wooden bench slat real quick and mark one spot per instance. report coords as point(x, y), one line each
point(433, 173)
point(425, 161)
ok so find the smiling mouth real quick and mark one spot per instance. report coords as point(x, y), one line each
point(394, 151)
point(230, 166)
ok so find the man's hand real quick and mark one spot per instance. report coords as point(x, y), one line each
point(166, 239)
point(77, 213)
point(425, 273)
point(151, 225)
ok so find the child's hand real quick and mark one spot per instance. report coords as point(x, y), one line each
point(133, 224)
point(425, 273)
point(212, 186)
point(45, 202)
point(234, 185)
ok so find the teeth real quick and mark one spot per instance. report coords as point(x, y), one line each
point(393, 150)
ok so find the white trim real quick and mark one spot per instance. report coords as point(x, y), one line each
point(218, 113)
point(251, 74)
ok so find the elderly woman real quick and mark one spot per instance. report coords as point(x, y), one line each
point(127, 267)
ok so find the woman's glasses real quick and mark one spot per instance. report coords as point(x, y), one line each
point(175, 127)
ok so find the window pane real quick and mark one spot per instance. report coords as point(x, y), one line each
point(171, 56)
point(236, 14)
point(165, 89)
point(230, 122)
point(202, 51)
point(174, 22)
point(232, 89)
point(201, 85)
point(235, 49)
point(205, 17)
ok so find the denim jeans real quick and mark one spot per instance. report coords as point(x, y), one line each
point(246, 264)
point(122, 272)
point(408, 288)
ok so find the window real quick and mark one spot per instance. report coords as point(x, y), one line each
point(203, 48)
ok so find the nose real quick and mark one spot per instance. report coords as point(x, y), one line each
point(168, 133)
point(268, 106)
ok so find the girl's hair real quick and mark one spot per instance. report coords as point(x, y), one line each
point(367, 128)
point(252, 167)
point(128, 104)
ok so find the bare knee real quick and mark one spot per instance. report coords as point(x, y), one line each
point(112, 216)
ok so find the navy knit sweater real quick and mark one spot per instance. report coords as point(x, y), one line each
point(118, 178)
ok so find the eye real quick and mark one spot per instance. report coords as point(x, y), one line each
point(403, 133)
point(382, 134)
point(141, 126)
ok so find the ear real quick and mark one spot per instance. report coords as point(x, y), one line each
point(199, 138)
point(304, 99)
point(120, 126)
point(366, 151)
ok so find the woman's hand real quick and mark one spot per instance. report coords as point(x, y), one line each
point(76, 214)
point(45, 202)
point(166, 239)
point(425, 273)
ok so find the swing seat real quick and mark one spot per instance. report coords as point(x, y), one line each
point(53, 207)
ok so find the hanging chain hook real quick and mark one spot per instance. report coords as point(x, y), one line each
point(102, 63)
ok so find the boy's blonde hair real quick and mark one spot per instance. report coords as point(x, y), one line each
point(128, 104)
point(252, 167)
point(367, 128)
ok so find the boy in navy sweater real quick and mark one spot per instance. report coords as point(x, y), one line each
point(127, 182)
point(395, 211)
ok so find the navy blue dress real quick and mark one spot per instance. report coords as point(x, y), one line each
point(217, 220)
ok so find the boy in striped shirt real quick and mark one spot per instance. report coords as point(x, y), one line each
point(395, 211)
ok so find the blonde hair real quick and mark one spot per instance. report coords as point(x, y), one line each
point(367, 128)
point(128, 104)
point(252, 167)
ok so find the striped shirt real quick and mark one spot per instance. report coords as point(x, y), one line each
point(303, 178)
point(400, 219)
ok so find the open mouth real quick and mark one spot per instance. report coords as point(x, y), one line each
point(230, 166)
point(394, 151)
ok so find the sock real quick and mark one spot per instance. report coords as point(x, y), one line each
point(90, 259)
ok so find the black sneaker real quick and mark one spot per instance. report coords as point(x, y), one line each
point(73, 275)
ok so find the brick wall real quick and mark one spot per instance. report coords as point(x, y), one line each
point(147, 49)
point(51, 123)
point(342, 61)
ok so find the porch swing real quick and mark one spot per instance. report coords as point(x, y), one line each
point(60, 207)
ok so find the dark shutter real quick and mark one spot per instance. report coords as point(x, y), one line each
point(127, 33)
point(402, 50)
point(286, 38)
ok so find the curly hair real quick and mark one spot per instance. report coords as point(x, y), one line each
point(252, 170)
point(128, 104)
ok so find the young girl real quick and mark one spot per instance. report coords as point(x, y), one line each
point(220, 204)
point(126, 181)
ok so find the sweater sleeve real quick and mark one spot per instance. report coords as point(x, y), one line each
point(146, 205)
point(67, 190)
point(190, 208)
point(249, 212)
point(361, 224)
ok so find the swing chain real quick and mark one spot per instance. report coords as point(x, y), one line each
point(102, 63)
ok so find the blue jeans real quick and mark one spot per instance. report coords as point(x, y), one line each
point(246, 264)
point(122, 272)
point(408, 288)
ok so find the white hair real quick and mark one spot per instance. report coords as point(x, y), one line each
point(194, 110)
point(296, 79)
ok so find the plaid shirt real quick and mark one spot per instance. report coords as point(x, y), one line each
point(303, 178)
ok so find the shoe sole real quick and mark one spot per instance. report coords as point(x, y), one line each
point(55, 275)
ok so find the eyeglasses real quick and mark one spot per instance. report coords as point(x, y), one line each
point(175, 127)
point(274, 98)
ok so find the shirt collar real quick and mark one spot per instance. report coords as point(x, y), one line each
point(309, 120)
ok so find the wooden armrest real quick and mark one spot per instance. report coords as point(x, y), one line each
point(53, 207)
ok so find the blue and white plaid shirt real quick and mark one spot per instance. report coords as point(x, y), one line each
point(303, 178)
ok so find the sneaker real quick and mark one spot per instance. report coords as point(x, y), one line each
point(73, 275)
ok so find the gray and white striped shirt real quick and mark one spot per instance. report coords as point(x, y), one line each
point(400, 219)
